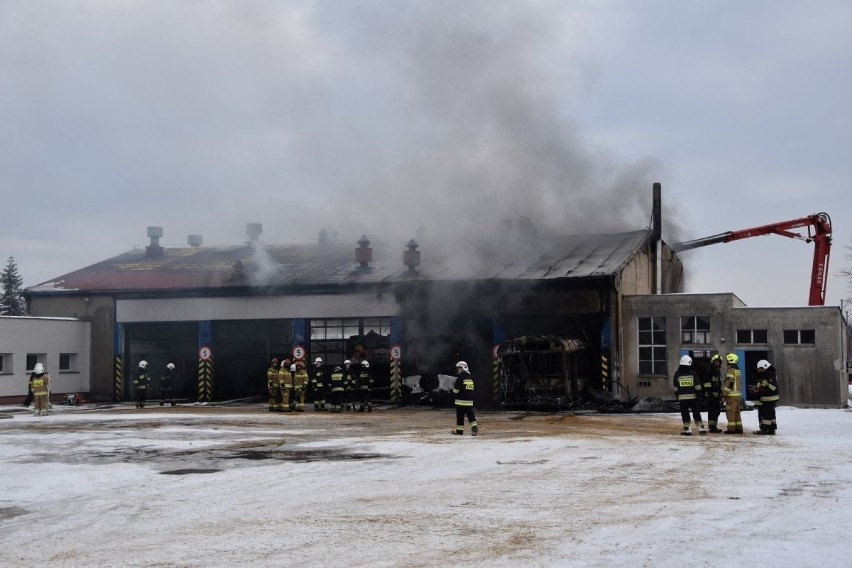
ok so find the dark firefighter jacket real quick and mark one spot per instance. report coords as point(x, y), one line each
point(463, 389)
point(365, 381)
point(712, 385)
point(141, 380)
point(337, 381)
point(687, 385)
point(767, 385)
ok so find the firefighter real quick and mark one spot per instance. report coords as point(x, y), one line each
point(166, 394)
point(141, 382)
point(733, 395)
point(349, 384)
point(300, 383)
point(463, 392)
point(365, 386)
point(285, 379)
point(273, 385)
point(336, 390)
point(318, 385)
point(712, 388)
point(687, 387)
point(767, 389)
point(40, 383)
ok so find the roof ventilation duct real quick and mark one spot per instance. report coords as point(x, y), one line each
point(323, 237)
point(154, 249)
point(194, 240)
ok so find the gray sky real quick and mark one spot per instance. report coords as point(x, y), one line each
point(381, 116)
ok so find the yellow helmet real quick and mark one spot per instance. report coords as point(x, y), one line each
point(715, 358)
point(732, 358)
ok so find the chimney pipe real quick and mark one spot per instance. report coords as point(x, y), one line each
point(411, 257)
point(657, 238)
point(154, 249)
point(364, 254)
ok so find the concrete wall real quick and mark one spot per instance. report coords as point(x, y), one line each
point(20, 336)
point(99, 311)
point(809, 375)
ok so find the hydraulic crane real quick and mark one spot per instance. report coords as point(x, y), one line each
point(819, 233)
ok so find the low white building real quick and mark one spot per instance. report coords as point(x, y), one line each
point(62, 345)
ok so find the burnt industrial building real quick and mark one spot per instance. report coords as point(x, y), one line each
point(221, 313)
point(539, 318)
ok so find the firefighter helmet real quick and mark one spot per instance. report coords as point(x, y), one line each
point(365, 364)
point(274, 360)
point(732, 358)
point(143, 363)
point(38, 369)
point(170, 366)
point(763, 364)
point(686, 360)
point(462, 365)
point(293, 368)
point(716, 358)
point(317, 361)
point(347, 362)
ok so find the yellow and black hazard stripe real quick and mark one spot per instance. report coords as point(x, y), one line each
point(205, 380)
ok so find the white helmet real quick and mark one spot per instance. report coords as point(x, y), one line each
point(462, 365)
point(38, 369)
point(347, 362)
point(365, 364)
point(317, 361)
point(170, 366)
point(293, 368)
point(143, 363)
point(686, 360)
point(763, 364)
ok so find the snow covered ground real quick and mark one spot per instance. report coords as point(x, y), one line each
point(237, 486)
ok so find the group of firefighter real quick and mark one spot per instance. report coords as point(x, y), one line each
point(693, 383)
point(348, 387)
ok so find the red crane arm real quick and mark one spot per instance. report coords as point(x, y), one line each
point(819, 232)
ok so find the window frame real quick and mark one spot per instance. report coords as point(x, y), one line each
point(654, 329)
point(690, 335)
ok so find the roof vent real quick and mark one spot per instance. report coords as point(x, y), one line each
point(194, 240)
point(254, 230)
point(154, 249)
point(323, 237)
point(411, 257)
point(364, 254)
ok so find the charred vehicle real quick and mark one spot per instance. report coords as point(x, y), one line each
point(543, 372)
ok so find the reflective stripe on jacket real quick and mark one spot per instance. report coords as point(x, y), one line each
point(733, 380)
point(463, 389)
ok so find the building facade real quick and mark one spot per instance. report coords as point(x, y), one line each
point(221, 313)
point(62, 345)
point(807, 345)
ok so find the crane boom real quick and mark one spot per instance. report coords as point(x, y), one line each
point(819, 233)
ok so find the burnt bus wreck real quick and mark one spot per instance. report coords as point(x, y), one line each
point(544, 372)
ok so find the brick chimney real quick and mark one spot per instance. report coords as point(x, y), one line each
point(364, 254)
point(411, 257)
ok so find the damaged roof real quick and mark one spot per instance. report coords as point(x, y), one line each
point(324, 265)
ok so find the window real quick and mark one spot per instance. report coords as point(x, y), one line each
point(5, 363)
point(752, 336)
point(799, 336)
point(695, 330)
point(68, 362)
point(652, 346)
point(337, 339)
point(33, 358)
